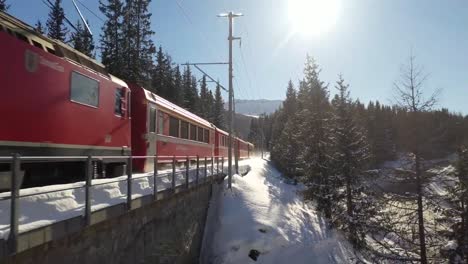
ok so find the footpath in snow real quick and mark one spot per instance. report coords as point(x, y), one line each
point(265, 217)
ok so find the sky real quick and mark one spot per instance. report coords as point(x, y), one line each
point(368, 43)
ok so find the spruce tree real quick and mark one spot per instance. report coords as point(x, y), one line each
point(138, 46)
point(204, 107)
point(178, 91)
point(210, 101)
point(111, 36)
point(39, 27)
point(315, 136)
point(4, 6)
point(190, 91)
point(456, 215)
point(160, 74)
point(56, 28)
point(353, 208)
point(218, 108)
point(195, 102)
point(286, 150)
point(82, 40)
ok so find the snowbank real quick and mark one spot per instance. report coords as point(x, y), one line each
point(263, 214)
point(37, 209)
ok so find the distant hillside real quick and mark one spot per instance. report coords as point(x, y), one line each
point(256, 107)
point(242, 123)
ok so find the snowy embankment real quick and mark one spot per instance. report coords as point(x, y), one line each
point(64, 201)
point(266, 218)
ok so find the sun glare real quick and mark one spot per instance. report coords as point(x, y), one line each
point(313, 17)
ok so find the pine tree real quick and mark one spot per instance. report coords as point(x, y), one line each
point(290, 103)
point(4, 6)
point(138, 46)
point(111, 37)
point(82, 40)
point(218, 109)
point(56, 28)
point(160, 75)
point(178, 91)
point(190, 91)
point(353, 208)
point(39, 27)
point(315, 133)
point(195, 102)
point(210, 101)
point(286, 150)
point(456, 215)
point(204, 107)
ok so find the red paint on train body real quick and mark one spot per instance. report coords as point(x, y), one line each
point(167, 130)
point(43, 110)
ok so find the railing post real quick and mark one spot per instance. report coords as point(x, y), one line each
point(173, 174)
point(212, 164)
point(187, 165)
point(198, 170)
point(222, 165)
point(129, 183)
point(155, 176)
point(89, 177)
point(15, 172)
point(206, 170)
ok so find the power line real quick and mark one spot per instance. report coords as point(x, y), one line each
point(245, 68)
point(91, 11)
point(200, 32)
point(50, 6)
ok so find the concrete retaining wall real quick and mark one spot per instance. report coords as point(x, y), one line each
point(165, 231)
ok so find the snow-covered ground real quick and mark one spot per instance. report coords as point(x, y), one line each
point(263, 213)
point(37, 209)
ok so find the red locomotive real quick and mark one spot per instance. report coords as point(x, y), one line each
point(57, 101)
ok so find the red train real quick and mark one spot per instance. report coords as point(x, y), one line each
point(56, 101)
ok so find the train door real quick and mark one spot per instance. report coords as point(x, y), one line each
point(151, 137)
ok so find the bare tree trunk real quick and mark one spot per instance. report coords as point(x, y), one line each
point(422, 233)
point(350, 210)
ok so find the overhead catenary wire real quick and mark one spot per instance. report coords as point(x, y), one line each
point(50, 5)
point(91, 11)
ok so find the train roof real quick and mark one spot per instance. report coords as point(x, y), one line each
point(165, 104)
point(25, 32)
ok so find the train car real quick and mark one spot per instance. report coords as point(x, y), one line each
point(242, 148)
point(221, 143)
point(163, 128)
point(56, 101)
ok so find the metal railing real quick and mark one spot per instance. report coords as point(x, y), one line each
point(16, 160)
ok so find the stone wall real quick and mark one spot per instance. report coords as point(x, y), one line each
point(165, 231)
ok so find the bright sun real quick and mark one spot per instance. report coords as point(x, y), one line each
point(313, 17)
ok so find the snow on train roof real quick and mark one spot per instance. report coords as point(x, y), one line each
point(175, 108)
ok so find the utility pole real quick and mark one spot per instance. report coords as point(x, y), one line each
point(231, 17)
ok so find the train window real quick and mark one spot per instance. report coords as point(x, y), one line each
point(119, 99)
point(193, 132)
point(152, 120)
point(200, 134)
point(173, 127)
point(52, 51)
point(161, 123)
point(184, 129)
point(22, 37)
point(207, 136)
point(84, 90)
point(37, 44)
